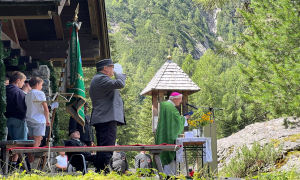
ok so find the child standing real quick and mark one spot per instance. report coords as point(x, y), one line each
point(16, 110)
point(37, 113)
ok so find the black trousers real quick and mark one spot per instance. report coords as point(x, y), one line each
point(88, 143)
point(106, 136)
point(78, 164)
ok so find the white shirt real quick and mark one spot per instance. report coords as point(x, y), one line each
point(185, 123)
point(62, 161)
point(35, 110)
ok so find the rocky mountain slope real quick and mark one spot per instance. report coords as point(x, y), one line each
point(276, 131)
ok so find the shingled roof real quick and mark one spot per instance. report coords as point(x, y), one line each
point(170, 77)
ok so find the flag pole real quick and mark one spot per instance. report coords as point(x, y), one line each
point(59, 90)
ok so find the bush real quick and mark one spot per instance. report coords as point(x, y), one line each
point(285, 175)
point(249, 162)
point(39, 175)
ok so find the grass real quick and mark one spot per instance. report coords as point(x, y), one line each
point(293, 174)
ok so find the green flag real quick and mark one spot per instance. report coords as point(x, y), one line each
point(75, 83)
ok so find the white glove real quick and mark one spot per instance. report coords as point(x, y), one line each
point(54, 105)
point(118, 69)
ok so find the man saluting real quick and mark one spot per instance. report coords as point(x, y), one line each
point(108, 107)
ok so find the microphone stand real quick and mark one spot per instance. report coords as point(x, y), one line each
point(211, 109)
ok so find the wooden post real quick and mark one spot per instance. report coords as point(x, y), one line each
point(5, 157)
point(154, 110)
point(161, 95)
point(184, 106)
point(102, 30)
point(160, 99)
point(212, 131)
point(49, 135)
point(184, 101)
point(157, 159)
point(22, 160)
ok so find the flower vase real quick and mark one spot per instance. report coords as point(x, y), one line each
point(201, 131)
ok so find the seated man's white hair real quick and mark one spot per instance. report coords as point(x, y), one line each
point(175, 97)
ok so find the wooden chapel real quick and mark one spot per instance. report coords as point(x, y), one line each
point(169, 78)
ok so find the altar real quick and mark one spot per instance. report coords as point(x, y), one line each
point(194, 152)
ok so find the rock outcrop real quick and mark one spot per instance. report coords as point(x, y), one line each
point(276, 131)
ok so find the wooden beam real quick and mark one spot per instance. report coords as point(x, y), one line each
point(153, 149)
point(9, 29)
point(21, 29)
point(61, 6)
point(34, 1)
point(93, 20)
point(21, 12)
point(57, 49)
point(45, 16)
point(102, 30)
point(58, 27)
point(62, 59)
point(11, 44)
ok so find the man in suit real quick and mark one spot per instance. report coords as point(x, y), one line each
point(144, 161)
point(108, 107)
point(87, 136)
point(76, 160)
point(118, 162)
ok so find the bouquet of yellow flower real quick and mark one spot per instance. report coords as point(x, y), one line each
point(204, 121)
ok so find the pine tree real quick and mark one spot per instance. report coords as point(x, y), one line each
point(189, 65)
point(271, 46)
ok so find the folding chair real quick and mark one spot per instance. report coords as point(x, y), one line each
point(84, 171)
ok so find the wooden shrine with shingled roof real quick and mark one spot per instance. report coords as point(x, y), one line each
point(169, 78)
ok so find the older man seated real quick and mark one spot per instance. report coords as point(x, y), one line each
point(77, 160)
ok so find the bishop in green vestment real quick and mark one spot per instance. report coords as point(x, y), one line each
point(170, 125)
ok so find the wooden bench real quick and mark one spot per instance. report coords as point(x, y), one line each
point(155, 150)
point(10, 144)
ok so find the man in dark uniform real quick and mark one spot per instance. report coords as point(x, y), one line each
point(76, 160)
point(108, 107)
point(88, 135)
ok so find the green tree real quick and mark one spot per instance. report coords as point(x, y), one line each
point(271, 45)
point(222, 86)
point(189, 65)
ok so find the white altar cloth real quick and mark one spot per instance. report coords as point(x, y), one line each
point(207, 155)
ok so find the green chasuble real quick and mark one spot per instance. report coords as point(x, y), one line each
point(170, 125)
